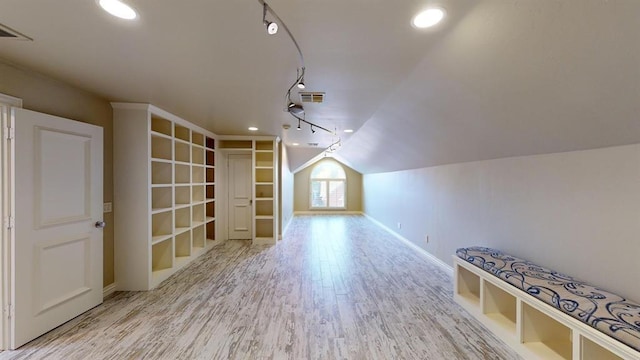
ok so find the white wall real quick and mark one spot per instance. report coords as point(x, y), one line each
point(286, 192)
point(575, 212)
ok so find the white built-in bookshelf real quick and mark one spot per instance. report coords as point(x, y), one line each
point(164, 194)
point(265, 191)
point(264, 152)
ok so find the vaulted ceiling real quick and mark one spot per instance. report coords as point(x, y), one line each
point(497, 78)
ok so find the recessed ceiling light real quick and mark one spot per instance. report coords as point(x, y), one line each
point(295, 144)
point(348, 130)
point(428, 18)
point(253, 128)
point(118, 8)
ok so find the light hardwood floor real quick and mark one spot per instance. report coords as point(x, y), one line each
point(336, 287)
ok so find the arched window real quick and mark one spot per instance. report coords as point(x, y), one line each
point(328, 186)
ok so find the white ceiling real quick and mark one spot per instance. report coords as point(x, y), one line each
point(498, 78)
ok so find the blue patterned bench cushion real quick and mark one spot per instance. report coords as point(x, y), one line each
point(605, 311)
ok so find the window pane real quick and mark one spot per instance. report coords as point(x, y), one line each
point(328, 170)
point(318, 193)
point(336, 194)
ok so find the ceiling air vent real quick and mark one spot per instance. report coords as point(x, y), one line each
point(313, 144)
point(312, 97)
point(8, 33)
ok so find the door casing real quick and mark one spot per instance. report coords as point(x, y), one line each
point(6, 206)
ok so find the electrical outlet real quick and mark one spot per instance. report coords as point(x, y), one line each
point(399, 226)
point(107, 207)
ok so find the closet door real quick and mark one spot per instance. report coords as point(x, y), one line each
point(57, 243)
point(240, 201)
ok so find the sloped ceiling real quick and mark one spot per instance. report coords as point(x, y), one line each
point(512, 78)
point(498, 78)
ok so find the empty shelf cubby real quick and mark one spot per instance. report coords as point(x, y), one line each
point(468, 285)
point(182, 133)
point(544, 335)
point(183, 244)
point(161, 198)
point(161, 126)
point(162, 255)
point(197, 155)
point(161, 148)
point(197, 138)
point(183, 174)
point(500, 306)
point(198, 237)
point(161, 173)
point(264, 207)
point(592, 351)
point(197, 174)
point(183, 152)
point(264, 175)
point(183, 195)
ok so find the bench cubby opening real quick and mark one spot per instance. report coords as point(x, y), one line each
point(592, 351)
point(499, 306)
point(544, 335)
point(468, 285)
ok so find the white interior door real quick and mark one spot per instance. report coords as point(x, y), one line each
point(57, 243)
point(240, 196)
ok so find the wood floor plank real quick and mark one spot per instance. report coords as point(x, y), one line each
point(336, 287)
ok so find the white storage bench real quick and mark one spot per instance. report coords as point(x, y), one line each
point(543, 314)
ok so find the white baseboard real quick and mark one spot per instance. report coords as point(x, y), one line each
point(109, 289)
point(327, 212)
point(264, 241)
point(422, 252)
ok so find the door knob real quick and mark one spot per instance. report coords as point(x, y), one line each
point(100, 224)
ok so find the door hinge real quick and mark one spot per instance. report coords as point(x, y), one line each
point(9, 311)
point(9, 222)
point(11, 133)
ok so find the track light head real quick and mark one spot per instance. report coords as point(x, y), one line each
point(313, 131)
point(296, 110)
point(291, 104)
point(272, 28)
point(301, 83)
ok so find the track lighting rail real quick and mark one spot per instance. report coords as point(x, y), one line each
point(291, 107)
point(269, 9)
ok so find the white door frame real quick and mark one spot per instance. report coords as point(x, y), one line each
point(7, 208)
